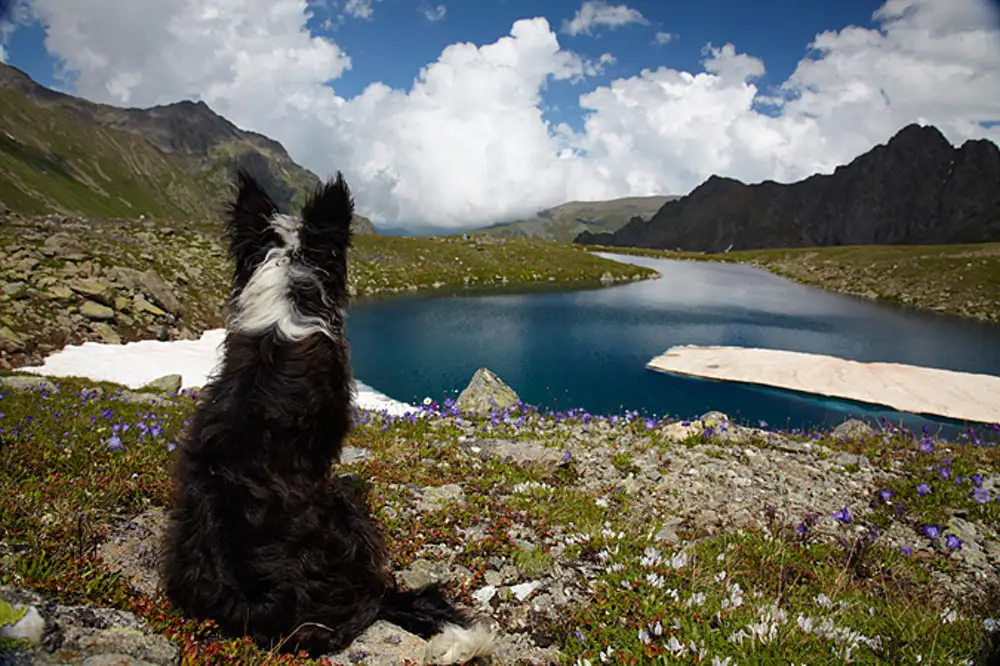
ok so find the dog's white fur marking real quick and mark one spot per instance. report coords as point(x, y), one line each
point(266, 301)
point(457, 645)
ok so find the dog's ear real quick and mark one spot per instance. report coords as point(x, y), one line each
point(248, 221)
point(326, 220)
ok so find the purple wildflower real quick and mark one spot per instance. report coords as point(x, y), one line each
point(944, 472)
point(981, 495)
point(907, 550)
point(923, 489)
point(885, 494)
point(977, 480)
point(926, 445)
point(931, 531)
point(114, 443)
point(844, 515)
point(953, 542)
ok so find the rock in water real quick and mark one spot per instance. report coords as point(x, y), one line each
point(485, 393)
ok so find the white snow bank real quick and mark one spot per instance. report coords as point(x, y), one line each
point(135, 364)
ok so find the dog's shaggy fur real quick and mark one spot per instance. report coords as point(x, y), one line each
point(262, 537)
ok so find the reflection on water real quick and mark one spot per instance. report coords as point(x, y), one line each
point(589, 348)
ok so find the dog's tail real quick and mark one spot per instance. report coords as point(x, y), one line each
point(427, 613)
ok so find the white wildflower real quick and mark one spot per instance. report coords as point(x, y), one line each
point(697, 599)
point(675, 647)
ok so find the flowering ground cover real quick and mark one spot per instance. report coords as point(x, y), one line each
point(584, 539)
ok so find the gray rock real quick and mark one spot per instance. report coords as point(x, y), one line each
point(515, 450)
point(423, 572)
point(714, 418)
point(74, 634)
point(143, 398)
point(432, 498)
point(353, 454)
point(159, 291)
point(64, 246)
point(15, 289)
point(141, 305)
point(164, 384)
point(106, 333)
point(59, 292)
point(132, 549)
point(10, 341)
point(97, 289)
point(93, 310)
point(847, 459)
point(382, 644)
point(853, 429)
point(28, 383)
point(485, 393)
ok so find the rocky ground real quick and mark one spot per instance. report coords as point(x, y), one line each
point(572, 535)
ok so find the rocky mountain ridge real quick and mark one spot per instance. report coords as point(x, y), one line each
point(64, 154)
point(566, 221)
point(917, 189)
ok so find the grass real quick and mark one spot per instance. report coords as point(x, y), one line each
point(76, 462)
point(52, 161)
point(954, 279)
point(381, 264)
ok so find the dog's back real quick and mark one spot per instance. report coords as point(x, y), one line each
point(262, 538)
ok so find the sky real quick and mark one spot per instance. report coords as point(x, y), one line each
point(462, 113)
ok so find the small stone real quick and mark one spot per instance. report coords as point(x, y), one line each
point(59, 292)
point(92, 310)
point(15, 289)
point(435, 497)
point(28, 383)
point(354, 454)
point(848, 459)
point(853, 429)
point(164, 384)
point(10, 341)
point(106, 333)
point(159, 291)
point(140, 305)
point(523, 590)
point(29, 625)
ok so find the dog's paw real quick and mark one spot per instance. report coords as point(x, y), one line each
point(458, 645)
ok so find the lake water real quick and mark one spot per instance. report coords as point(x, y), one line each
point(588, 349)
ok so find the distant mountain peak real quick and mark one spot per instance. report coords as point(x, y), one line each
point(915, 189)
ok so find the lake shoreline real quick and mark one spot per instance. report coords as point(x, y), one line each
point(959, 281)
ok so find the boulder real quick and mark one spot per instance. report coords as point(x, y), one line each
point(157, 289)
point(164, 384)
point(94, 310)
point(485, 393)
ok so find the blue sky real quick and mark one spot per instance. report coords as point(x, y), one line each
point(497, 131)
point(398, 39)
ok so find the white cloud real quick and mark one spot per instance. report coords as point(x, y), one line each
point(3, 53)
point(361, 9)
point(662, 38)
point(434, 14)
point(596, 13)
point(467, 143)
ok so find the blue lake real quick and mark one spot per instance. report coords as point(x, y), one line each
point(588, 348)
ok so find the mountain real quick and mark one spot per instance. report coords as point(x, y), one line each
point(567, 221)
point(916, 189)
point(60, 153)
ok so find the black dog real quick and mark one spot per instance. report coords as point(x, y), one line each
point(262, 537)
